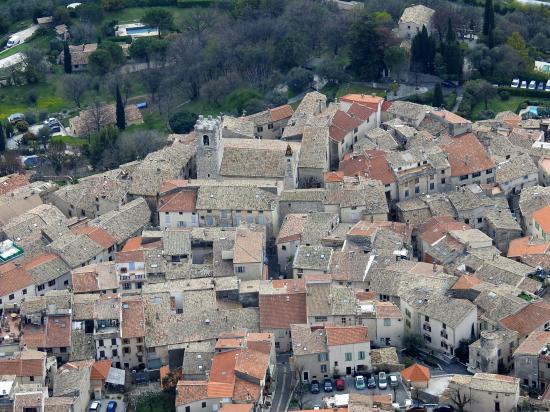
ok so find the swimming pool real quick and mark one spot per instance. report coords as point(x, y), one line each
point(140, 30)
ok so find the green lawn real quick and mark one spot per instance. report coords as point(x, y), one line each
point(70, 140)
point(332, 90)
point(19, 98)
point(497, 105)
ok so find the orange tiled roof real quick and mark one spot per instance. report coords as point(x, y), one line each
point(345, 123)
point(236, 407)
point(252, 363)
point(131, 256)
point(364, 99)
point(98, 235)
point(100, 369)
point(58, 332)
point(542, 217)
point(22, 367)
point(467, 155)
point(436, 227)
point(190, 391)
point(132, 244)
point(528, 319)
point(281, 112)
point(450, 117)
point(371, 164)
point(360, 111)
point(222, 375)
point(246, 391)
point(346, 335)
point(133, 318)
point(466, 282)
point(172, 184)
point(183, 201)
point(11, 182)
point(13, 280)
point(416, 373)
point(333, 177)
point(271, 317)
point(524, 246)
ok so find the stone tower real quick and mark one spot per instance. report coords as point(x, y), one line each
point(489, 352)
point(209, 147)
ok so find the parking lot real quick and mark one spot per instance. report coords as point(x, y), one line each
point(311, 400)
point(120, 407)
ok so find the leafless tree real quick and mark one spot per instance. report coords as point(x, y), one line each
point(458, 399)
point(94, 117)
point(198, 21)
point(74, 87)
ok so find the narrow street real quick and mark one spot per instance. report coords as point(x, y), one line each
point(283, 388)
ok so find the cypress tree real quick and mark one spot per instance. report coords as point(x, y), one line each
point(120, 115)
point(67, 62)
point(451, 35)
point(437, 100)
point(489, 22)
point(2, 139)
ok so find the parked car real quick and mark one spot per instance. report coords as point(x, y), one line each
point(55, 129)
point(515, 83)
point(449, 84)
point(444, 408)
point(111, 406)
point(523, 84)
point(327, 385)
point(314, 386)
point(360, 382)
point(547, 89)
point(16, 117)
point(394, 381)
point(95, 406)
point(540, 87)
point(532, 85)
point(371, 383)
point(340, 384)
point(382, 380)
point(13, 41)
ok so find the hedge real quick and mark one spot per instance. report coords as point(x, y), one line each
point(525, 92)
point(189, 4)
point(120, 39)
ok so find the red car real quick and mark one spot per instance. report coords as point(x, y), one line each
point(340, 384)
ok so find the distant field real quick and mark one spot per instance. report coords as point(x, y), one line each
point(497, 105)
point(133, 14)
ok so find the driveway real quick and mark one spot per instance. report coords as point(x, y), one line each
point(120, 407)
point(311, 400)
point(25, 34)
point(11, 143)
point(11, 60)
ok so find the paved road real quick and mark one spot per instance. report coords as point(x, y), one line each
point(11, 60)
point(11, 144)
point(283, 387)
point(17, 57)
point(25, 34)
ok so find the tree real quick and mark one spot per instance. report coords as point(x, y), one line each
point(395, 59)
point(120, 115)
point(61, 16)
point(34, 65)
point(458, 399)
point(517, 42)
point(198, 21)
point(75, 86)
point(159, 18)
point(413, 342)
point(67, 61)
point(454, 60)
point(2, 139)
point(489, 22)
point(437, 100)
point(299, 79)
point(90, 12)
point(112, 5)
point(182, 122)
point(332, 71)
point(480, 89)
point(367, 59)
point(289, 52)
point(423, 50)
point(117, 55)
point(100, 62)
point(44, 134)
point(146, 47)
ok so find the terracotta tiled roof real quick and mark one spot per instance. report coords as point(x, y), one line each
point(292, 227)
point(346, 335)
point(337, 133)
point(416, 373)
point(450, 117)
point(466, 282)
point(13, 280)
point(281, 112)
point(528, 319)
point(437, 227)
point(133, 318)
point(253, 363)
point(272, 315)
point(132, 244)
point(386, 105)
point(365, 295)
point(249, 246)
point(190, 391)
point(222, 375)
point(23, 367)
point(236, 407)
point(542, 217)
point(467, 155)
point(131, 256)
point(371, 101)
point(345, 122)
point(100, 369)
point(291, 285)
point(333, 177)
point(385, 310)
point(533, 344)
point(360, 111)
point(246, 391)
point(11, 182)
point(58, 332)
point(524, 246)
point(172, 184)
point(371, 164)
point(98, 235)
point(183, 201)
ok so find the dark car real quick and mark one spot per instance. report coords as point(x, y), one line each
point(371, 383)
point(327, 385)
point(111, 406)
point(340, 384)
point(55, 129)
point(444, 408)
point(449, 84)
point(314, 386)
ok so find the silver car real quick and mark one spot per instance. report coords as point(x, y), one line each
point(382, 380)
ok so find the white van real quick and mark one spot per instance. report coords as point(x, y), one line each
point(532, 85)
point(523, 85)
point(13, 40)
point(515, 83)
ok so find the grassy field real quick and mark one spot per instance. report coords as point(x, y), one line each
point(161, 402)
point(70, 140)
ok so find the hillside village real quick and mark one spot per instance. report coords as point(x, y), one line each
point(346, 238)
point(272, 206)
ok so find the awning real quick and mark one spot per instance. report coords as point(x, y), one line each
point(116, 376)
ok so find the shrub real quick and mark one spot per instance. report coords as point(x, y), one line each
point(407, 362)
point(22, 126)
point(30, 117)
point(503, 94)
point(486, 114)
point(182, 122)
point(189, 4)
point(28, 137)
point(32, 97)
point(42, 116)
point(299, 79)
